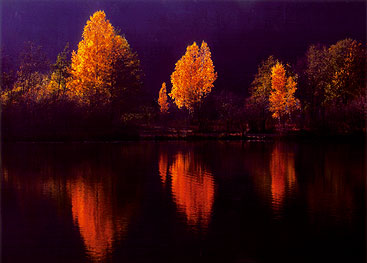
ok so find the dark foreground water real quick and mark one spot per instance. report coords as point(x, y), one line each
point(184, 202)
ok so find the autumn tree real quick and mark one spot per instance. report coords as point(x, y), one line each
point(336, 78)
point(257, 105)
point(104, 66)
point(317, 73)
point(345, 94)
point(127, 79)
point(347, 60)
point(61, 72)
point(163, 99)
point(193, 77)
point(30, 80)
point(282, 100)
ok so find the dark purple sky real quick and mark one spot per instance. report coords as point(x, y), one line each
point(240, 34)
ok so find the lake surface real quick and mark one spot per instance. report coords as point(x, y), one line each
point(184, 202)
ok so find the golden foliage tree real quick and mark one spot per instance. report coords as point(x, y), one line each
point(103, 63)
point(257, 105)
point(61, 72)
point(282, 100)
point(162, 99)
point(193, 77)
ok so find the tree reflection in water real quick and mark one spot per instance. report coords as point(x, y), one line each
point(283, 177)
point(101, 221)
point(104, 202)
point(162, 167)
point(332, 191)
point(192, 187)
point(101, 202)
point(92, 213)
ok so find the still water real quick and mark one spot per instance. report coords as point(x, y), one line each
point(184, 202)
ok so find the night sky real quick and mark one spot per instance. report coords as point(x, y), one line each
point(240, 34)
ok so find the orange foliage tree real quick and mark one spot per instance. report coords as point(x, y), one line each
point(282, 100)
point(193, 77)
point(257, 105)
point(162, 99)
point(103, 66)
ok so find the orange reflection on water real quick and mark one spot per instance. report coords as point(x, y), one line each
point(193, 189)
point(93, 213)
point(283, 175)
point(162, 167)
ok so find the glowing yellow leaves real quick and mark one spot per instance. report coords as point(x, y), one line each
point(281, 99)
point(92, 63)
point(95, 67)
point(162, 99)
point(193, 77)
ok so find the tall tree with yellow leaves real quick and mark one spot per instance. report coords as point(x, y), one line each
point(257, 105)
point(282, 100)
point(61, 73)
point(193, 77)
point(162, 99)
point(103, 66)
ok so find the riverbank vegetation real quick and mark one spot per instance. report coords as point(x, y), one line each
point(97, 92)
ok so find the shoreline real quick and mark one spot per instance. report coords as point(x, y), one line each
point(198, 136)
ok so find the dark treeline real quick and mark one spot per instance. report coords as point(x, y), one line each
point(96, 92)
